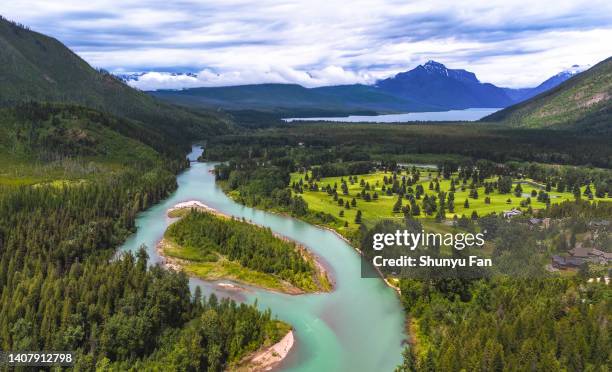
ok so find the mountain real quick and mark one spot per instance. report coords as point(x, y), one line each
point(293, 98)
point(582, 102)
point(434, 84)
point(521, 94)
point(428, 87)
point(35, 67)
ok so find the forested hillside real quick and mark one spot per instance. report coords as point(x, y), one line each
point(583, 102)
point(294, 100)
point(35, 67)
point(71, 185)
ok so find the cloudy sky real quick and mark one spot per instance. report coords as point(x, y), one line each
point(514, 43)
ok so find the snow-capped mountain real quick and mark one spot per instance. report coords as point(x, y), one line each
point(434, 67)
point(522, 94)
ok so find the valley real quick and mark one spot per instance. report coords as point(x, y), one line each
point(193, 229)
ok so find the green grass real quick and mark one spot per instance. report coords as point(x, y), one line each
point(229, 270)
point(200, 265)
point(383, 207)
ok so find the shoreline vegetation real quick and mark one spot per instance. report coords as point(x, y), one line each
point(178, 258)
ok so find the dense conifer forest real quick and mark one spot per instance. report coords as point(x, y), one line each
point(72, 182)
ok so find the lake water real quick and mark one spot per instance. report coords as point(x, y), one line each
point(471, 114)
point(357, 327)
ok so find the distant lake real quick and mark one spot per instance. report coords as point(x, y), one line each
point(470, 114)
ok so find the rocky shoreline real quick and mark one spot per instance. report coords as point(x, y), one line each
point(268, 358)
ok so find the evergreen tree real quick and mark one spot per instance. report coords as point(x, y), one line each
point(358, 217)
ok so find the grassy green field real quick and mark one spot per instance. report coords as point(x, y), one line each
point(382, 208)
point(201, 266)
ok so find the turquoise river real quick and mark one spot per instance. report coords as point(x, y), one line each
point(357, 327)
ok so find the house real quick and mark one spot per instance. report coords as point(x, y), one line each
point(581, 255)
point(512, 213)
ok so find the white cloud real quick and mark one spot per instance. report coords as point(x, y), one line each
point(331, 75)
point(319, 42)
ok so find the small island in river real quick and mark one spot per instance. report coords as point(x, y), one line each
point(214, 246)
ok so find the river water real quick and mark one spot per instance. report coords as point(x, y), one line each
point(471, 114)
point(357, 327)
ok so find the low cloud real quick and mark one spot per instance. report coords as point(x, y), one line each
point(331, 75)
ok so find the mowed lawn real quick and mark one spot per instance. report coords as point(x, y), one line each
point(383, 207)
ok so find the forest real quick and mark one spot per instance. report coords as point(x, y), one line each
point(405, 142)
point(506, 324)
point(71, 184)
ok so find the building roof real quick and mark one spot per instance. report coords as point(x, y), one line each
point(597, 252)
point(558, 260)
point(513, 212)
point(574, 261)
point(579, 252)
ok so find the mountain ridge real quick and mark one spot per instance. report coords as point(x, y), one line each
point(36, 67)
point(582, 102)
point(428, 87)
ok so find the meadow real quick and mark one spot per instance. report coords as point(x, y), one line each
point(382, 207)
